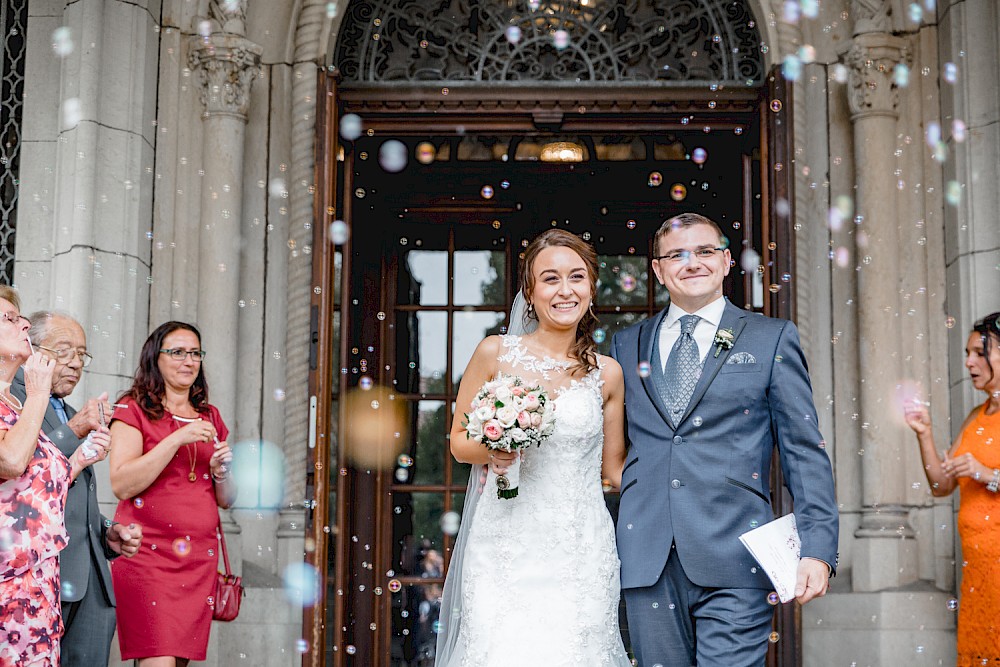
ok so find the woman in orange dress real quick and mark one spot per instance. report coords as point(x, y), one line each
point(973, 465)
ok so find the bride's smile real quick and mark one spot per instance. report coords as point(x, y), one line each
point(561, 292)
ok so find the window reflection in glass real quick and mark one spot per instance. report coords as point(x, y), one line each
point(623, 280)
point(422, 340)
point(423, 278)
point(470, 329)
point(479, 278)
point(426, 464)
point(612, 323)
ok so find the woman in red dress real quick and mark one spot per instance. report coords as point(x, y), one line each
point(170, 471)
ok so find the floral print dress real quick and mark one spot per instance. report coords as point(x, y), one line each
point(32, 533)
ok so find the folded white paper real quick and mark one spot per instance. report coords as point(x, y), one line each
point(776, 546)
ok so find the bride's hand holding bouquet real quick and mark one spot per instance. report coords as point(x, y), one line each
point(507, 416)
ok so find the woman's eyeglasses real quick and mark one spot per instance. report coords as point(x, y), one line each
point(179, 355)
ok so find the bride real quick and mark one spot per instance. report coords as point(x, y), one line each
point(534, 579)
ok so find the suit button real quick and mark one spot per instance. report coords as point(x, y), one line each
point(676, 484)
point(678, 440)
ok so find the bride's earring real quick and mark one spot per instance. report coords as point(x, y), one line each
point(531, 307)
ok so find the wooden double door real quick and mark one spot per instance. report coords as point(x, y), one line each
point(438, 208)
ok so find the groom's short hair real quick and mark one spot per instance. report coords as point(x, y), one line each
point(683, 220)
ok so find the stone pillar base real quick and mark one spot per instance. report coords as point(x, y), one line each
point(913, 628)
point(291, 537)
point(882, 563)
point(234, 542)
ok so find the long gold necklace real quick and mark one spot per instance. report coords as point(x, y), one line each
point(192, 449)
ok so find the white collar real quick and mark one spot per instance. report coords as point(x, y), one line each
point(712, 313)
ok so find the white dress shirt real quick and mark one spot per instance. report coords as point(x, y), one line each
point(704, 331)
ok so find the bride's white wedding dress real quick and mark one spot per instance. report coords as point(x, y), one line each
point(540, 578)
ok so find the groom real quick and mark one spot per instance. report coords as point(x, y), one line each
point(724, 388)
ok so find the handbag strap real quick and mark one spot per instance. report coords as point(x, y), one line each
point(222, 543)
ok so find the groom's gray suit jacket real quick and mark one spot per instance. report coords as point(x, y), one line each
point(704, 479)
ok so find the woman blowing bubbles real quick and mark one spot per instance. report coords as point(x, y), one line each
point(973, 465)
point(34, 480)
point(170, 469)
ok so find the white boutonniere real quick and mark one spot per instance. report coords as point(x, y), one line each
point(723, 340)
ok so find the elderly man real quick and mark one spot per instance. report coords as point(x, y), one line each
point(88, 602)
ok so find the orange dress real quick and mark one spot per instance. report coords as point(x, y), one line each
point(979, 529)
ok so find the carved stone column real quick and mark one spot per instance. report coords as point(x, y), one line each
point(885, 553)
point(225, 64)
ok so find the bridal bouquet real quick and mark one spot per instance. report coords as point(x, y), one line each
point(507, 414)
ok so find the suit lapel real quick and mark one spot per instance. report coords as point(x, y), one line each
point(732, 318)
point(648, 337)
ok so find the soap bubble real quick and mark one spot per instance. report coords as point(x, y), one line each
point(901, 75)
point(450, 522)
point(392, 155)
point(277, 188)
point(71, 112)
point(259, 472)
point(953, 193)
point(350, 126)
point(791, 11)
point(644, 369)
point(375, 429)
point(301, 584)
point(513, 34)
point(791, 68)
point(62, 41)
point(950, 72)
point(339, 232)
point(182, 547)
point(426, 152)
point(699, 155)
point(560, 38)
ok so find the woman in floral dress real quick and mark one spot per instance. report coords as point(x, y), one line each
point(34, 479)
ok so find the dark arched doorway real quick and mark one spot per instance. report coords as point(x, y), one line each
point(509, 117)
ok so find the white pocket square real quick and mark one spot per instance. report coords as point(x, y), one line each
point(741, 358)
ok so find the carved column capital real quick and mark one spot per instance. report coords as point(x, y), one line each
point(871, 16)
point(871, 60)
point(225, 67)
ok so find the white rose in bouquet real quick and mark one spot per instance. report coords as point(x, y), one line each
point(509, 415)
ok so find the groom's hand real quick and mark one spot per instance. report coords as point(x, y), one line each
point(813, 580)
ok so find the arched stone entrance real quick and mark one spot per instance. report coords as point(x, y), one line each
point(636, 87)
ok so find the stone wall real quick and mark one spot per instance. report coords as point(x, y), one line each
point(123, 222)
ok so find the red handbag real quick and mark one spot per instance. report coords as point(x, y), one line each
point(229, 589)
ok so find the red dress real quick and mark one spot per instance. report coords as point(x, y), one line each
point(165, 591)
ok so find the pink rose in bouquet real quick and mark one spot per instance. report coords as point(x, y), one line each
point(508, 415)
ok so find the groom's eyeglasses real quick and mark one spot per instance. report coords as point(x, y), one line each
point(685, 255)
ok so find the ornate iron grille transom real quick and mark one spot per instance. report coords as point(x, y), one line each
point(520, 42)
point(13, 23)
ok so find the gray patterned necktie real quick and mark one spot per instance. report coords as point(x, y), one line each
point(683, 367)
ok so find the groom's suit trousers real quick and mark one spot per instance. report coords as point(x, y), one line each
point(676, 623)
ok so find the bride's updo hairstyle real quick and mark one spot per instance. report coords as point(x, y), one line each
point(584, 349)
